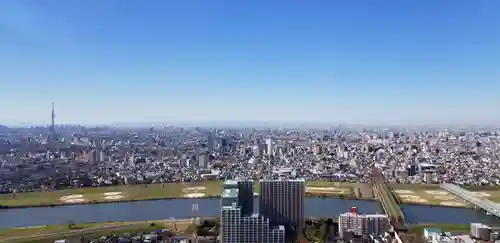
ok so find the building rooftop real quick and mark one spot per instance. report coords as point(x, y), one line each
point(433, 230)
point(233, 206)
point(290, 180)
point(230, 182)
point(230, 193)
point(465, 238)
point(480, 225)
point(350, 214)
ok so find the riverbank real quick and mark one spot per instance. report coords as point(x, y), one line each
point(312, 195)
point(164, 191)
point(49, 233)
point(113, 194)
point(454, 228)
point(434, 195)
point(421, 194)
point(183, 208)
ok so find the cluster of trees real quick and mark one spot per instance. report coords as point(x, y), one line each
point(316, 230)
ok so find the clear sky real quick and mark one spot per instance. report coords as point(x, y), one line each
point(384, 61)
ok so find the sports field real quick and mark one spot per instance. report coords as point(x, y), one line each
point(419, 193)
point(114, 193)
point(434, 195)
point(329, 188)
point(150, 192)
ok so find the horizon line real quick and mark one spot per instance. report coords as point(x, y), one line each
point(230, 123)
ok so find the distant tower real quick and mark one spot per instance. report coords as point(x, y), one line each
point(210, 142)
point(52, 129)
point(269, 143)
point(53, 117)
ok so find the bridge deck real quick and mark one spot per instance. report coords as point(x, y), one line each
point(487, 205)
point(389, 203)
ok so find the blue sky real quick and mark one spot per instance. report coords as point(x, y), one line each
point(386, 61)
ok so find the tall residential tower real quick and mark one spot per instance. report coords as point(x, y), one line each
point(282, 201)
point(236, 227)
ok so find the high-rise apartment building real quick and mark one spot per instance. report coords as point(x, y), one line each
point(282, 201)
point(202, 161)
point(363, 224)
point(245, 194)
point(269, 144)
point(236, 227)
point(480, 231)
point(210, 142)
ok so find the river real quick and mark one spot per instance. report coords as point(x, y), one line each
point(182, 208)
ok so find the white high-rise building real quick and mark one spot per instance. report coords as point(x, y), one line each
point(101, 156)
point(269, 144)
point(202, 161)
point(363, 224)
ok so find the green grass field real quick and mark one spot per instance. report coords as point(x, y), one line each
point(91, 230)
point(93, 235)
point(141, 192)
point(207, 188)
point(129, 192)
point(47, 229)
point(455, 228)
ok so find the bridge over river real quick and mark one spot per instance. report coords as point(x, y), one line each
point(469, 197)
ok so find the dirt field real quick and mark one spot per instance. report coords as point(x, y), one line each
point(329, 188)
point(152, 191)
point(114, 193)
point(434, 195)
point(366, 190)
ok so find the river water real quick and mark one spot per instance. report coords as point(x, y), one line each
point(183, 208)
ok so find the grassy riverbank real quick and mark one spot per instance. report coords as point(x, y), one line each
point(406, 193)
point(50, 233)
point(455, 228)
point(111, 193)
point(150, 192)
point(434, 195)
point(315, 228)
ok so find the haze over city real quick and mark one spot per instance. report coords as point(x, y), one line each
point(383, 62)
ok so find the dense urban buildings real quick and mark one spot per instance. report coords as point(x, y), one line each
point(236, 227)
point(282, 201)
point(67, 156)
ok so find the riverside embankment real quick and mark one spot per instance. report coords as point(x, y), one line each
point(183, 208)
point(414, 193)
point(131, 193)
point(61, 204)
point(49, 233)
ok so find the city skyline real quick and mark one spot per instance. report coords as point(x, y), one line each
point(425, 62)
point(52, 125)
